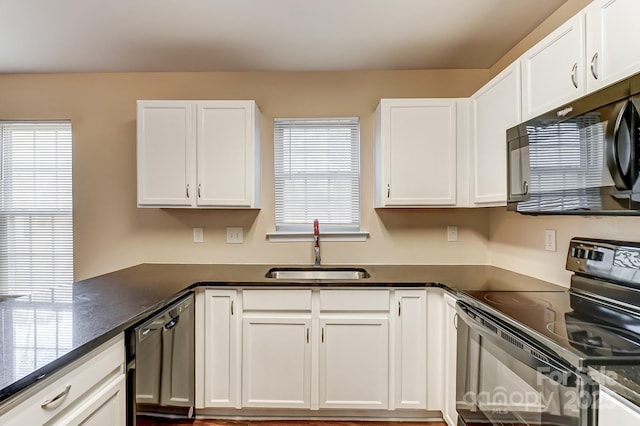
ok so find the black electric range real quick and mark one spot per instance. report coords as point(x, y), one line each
point(525, 357)
point(595, 322)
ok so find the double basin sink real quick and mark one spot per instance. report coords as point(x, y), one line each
point(317, 274)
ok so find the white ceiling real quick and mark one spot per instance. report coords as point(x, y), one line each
point(260, 35)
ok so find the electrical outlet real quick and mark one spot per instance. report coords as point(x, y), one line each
point(198, 235)
point(452, 233)
point(550, 239)
point(234, 235)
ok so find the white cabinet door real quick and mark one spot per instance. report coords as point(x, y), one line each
point(276, 362)
point(228, 156)
point(410, 340)
point(199, 154)
point(614, 410)
point(610, 27)
point(553, 70)
point(494, 108)
point(166, 150)
point(450, 343)
point(107, 407)
point(415, 149)
point(90, 389)
point(354, 363)
point(221, 349)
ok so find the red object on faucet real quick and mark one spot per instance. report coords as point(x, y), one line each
point(316, 228)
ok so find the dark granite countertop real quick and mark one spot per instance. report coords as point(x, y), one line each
point(622, 379)
point(44, 331)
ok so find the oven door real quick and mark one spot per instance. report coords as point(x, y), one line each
point(504, 380)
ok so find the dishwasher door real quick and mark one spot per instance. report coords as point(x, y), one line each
point(163, 370)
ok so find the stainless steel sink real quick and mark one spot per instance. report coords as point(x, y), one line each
point(318, 274)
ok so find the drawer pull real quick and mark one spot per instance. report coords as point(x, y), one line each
point(58, 397)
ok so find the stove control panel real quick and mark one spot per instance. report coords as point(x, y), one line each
point(609, 260)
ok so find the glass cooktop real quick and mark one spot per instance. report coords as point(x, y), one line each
point(577, 329)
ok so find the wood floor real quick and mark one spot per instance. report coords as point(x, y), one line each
point(150, 421)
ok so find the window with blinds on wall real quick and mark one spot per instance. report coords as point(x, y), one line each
point(317, 174)
point(36, 229)
point(36, 242)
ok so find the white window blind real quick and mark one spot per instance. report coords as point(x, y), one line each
point(566, 165)
point(317, 173)
point(36, 233)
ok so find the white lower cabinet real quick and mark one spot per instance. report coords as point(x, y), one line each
point(106, 407)
point(311, 348)
point(276, 362)
point(613, 410)
point(90, 391)
point(450, 344)
point(410, 349)
point(354, 363)
point(218, 386)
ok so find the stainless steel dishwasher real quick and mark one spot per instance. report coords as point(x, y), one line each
point(161, 364)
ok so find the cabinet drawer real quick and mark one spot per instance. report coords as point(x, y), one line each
point(68, 386)
point(277, 300)
point(354, 300)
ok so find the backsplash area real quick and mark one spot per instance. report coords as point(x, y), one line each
point(516, 241)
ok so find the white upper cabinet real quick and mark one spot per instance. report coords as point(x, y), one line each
point(611, 25)
point(553, 70)
point(494, 109)
point(415, 153)
point(165, 151)
point(198, 154)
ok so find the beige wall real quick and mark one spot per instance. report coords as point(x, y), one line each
point(110, 232)
point(517, 241)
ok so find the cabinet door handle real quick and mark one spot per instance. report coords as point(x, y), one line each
point(65, 392)
point(388, 190)
point(322, 337)
point(307, 334)
point(399, 309)
point(594, 65)
point(199, 190)
point(232, 307)
point(574, 75)
point(187, 191)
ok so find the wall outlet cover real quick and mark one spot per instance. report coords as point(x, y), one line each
point(452, 233)
point(198, 235)
point(234, 235)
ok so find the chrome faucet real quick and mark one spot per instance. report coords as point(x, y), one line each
point(316, 242)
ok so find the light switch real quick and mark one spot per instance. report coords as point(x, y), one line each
point(550, 239)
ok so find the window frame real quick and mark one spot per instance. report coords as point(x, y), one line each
point(336, 231)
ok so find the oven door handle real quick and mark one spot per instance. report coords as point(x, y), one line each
point(554, 371)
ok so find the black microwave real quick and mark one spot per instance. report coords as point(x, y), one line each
point(582, 158)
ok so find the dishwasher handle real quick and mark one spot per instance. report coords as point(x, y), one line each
point(171, 324)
